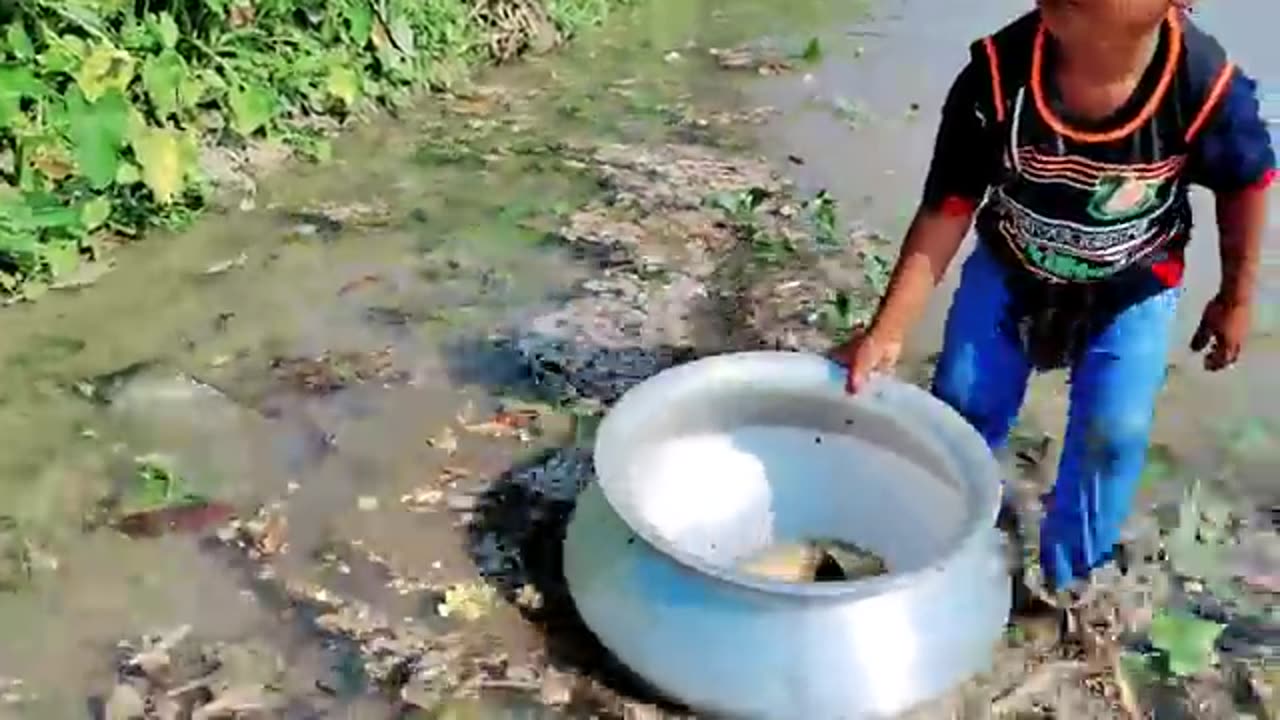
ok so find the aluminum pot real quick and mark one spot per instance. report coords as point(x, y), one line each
point(705, 464)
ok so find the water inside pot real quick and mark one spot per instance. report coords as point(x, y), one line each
point(817, 560)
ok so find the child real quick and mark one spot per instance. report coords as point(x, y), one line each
point(1073, 135)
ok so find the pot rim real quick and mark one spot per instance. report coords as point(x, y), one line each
point(816, 371)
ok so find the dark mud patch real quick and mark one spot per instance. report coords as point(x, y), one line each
point(516, 538)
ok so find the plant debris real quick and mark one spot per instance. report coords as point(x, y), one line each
point(469, 602)
point(331, 372)
point(156, 501)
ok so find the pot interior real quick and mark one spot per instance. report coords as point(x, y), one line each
point(723, 471)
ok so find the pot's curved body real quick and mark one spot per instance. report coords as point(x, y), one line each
point(704, 465)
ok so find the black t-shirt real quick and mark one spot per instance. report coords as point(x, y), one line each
point(1232, 152)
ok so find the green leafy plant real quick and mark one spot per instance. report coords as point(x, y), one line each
point(812, 52)
point(105, 104)
point(839, 313)
point(826, 220)
point(740, 206)
point(1185, 641)
point(155, 486)
point(1197, 546)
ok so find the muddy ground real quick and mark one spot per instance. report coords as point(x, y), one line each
point(326, 468)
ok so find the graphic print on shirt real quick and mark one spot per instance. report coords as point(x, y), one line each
point(1122, 196)
point(1122, 212)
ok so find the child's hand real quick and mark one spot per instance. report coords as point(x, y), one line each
point(865, 353)
point(1222, 332)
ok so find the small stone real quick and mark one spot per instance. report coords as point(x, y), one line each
point(421, 692)
point(557, 687)
point(462, 502)
point(522, 674)
point(367, 503)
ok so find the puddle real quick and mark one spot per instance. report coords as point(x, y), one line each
point(304, 357)
point(336, 364)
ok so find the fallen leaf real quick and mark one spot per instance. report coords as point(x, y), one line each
point(452, 474)
point(360, 283)
point(468, 601)
point(219, 268)
point(422, 499)
point(504, 424)
point(192, 518)
point(272, 534)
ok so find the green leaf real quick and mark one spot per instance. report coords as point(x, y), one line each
point(128, 174)
point(402, 36)
point(343, 84)
point(812, 51)
point(166, 30)
point(193, 88)
point(106, 68)
point(61, 258)
point(252, 107)
point(359, 21)
point(95, 213)
point(97, 135)
point(162, 76)
point(1186, 641)
point(16, 83)
point(19, 41)
point(64, 54)
point(155, 486)
point(166, 156)
point(37, 212)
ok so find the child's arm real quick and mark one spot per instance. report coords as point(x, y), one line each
point(1233, 157)
point(1242, 215)
point(965, 159)
point(931, 243)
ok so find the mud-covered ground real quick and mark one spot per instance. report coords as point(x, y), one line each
point(325, 468)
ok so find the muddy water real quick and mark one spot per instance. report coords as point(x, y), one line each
point(422, 235)
point(863, 124)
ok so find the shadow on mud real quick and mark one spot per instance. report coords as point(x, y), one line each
point(516, 534)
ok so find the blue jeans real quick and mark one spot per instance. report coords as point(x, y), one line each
point(983, 373)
